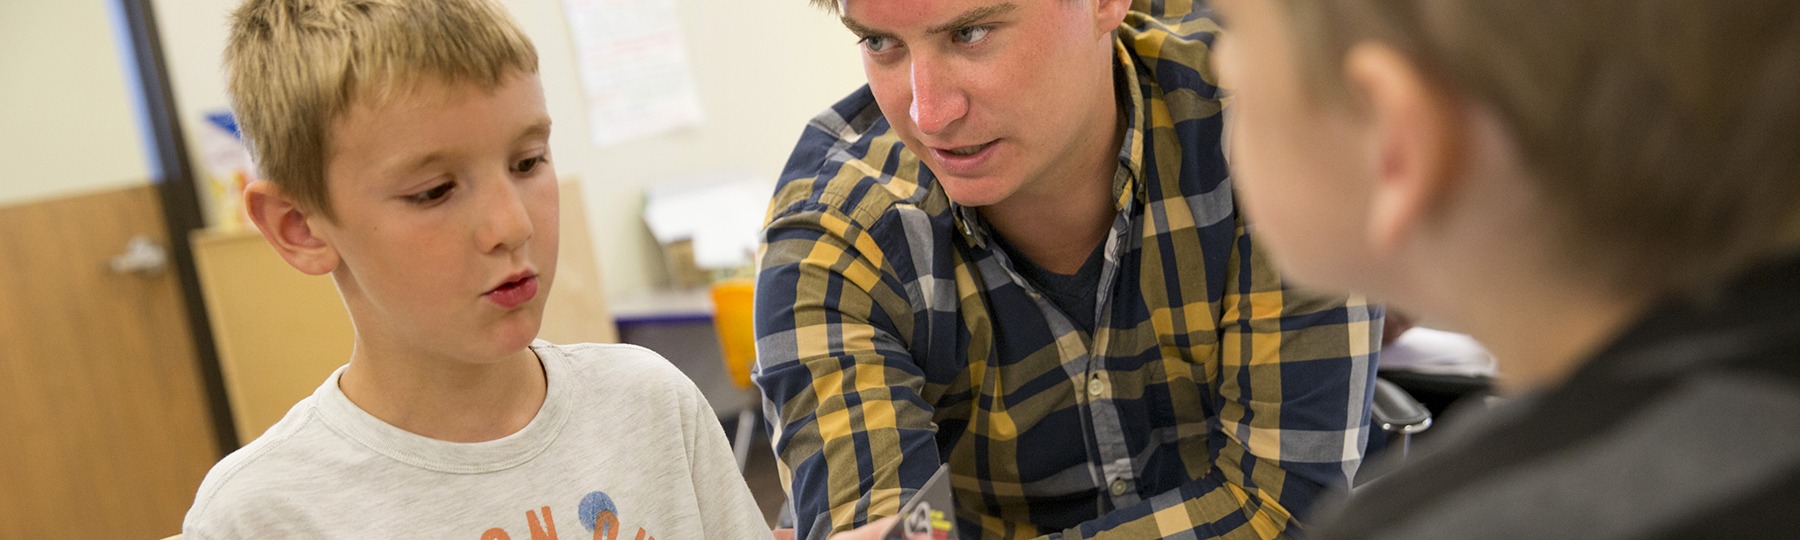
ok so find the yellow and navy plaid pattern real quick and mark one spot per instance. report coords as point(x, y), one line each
point(894, 335)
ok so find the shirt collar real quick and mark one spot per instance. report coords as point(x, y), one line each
point(1131, 105)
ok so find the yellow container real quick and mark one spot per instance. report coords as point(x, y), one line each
point(732, 318)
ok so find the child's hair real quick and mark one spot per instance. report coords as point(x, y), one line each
point(296, 66)
point(1664, 133)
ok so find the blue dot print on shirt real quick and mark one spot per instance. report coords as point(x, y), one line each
point(592, 505)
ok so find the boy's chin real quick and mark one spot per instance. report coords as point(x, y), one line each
point(516, 332)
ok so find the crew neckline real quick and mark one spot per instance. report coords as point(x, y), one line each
point(353, 423)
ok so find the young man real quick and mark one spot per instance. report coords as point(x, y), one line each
point(1016, 251)
point(1605, 192)
point(407, 147)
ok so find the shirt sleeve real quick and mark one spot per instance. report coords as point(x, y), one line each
point(852, 433)
point(726, 508)
point(1293, 393)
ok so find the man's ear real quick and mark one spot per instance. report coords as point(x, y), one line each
point(1416, 129)
point(1109, 13)
point(289, 228)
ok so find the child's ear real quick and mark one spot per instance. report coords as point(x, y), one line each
point(1108, 15)
point(289, 228)
point(1416, 133)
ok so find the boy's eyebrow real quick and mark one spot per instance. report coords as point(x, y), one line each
point(420, 163)
point(967, 18)
point(538, 129)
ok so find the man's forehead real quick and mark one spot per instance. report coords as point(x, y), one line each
point(912, 5)
point(936, 16)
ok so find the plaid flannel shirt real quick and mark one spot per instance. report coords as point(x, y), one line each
point(893, 335)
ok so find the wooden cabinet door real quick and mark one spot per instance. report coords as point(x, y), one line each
point(106, 425)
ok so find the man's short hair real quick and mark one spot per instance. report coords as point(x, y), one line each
point(298, 65)
point(1662, 132)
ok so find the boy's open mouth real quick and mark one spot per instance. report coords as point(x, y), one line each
point(513, 292)
point(510, 285)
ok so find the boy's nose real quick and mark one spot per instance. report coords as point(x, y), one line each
point(505, 222)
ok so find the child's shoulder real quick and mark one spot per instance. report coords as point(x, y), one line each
point(266, 468)
point(617, 365)
point(624, 381)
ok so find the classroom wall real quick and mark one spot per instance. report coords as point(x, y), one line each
point(763, 68)
point(66, 121)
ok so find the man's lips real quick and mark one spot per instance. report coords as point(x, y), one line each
point(963, 160)
point(961, 151)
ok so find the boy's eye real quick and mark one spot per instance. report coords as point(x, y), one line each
point(972, 34)
point(876, 44)
point(435, 194)
point(527, 165)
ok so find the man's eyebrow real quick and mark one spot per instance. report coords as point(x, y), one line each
point(967, 18)
point(971, 17)
point(856, 27)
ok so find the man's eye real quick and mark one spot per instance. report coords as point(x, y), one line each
point(435, 194)
point(877, 44)
point(972, 34)
point(525, 166)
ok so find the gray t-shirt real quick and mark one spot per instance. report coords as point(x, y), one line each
point(624, 443)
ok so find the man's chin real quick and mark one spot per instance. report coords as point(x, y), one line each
point(977, 191)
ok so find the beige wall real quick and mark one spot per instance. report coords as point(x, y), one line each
point(763, 68)
point(66, 120)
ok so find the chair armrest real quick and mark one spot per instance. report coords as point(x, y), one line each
point(1396, 411)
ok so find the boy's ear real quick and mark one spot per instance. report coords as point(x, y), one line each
point(1109, 13)
point(1416, 130)
point(289, 228)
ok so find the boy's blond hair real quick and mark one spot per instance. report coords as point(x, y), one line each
point(1665, 133)
point(296, 66)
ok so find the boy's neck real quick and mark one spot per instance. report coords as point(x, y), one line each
point(1540, 329)
point(446, 399)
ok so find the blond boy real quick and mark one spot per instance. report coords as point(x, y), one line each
point(1605, 192)
point(407, 143)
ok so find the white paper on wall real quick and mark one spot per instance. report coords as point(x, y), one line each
point(634, 69)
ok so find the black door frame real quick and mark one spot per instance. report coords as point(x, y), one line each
point(180, 200)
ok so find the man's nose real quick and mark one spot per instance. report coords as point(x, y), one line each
point(937, 98)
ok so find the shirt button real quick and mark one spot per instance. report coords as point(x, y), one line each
point(1118, 487)
point(1096, 385)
